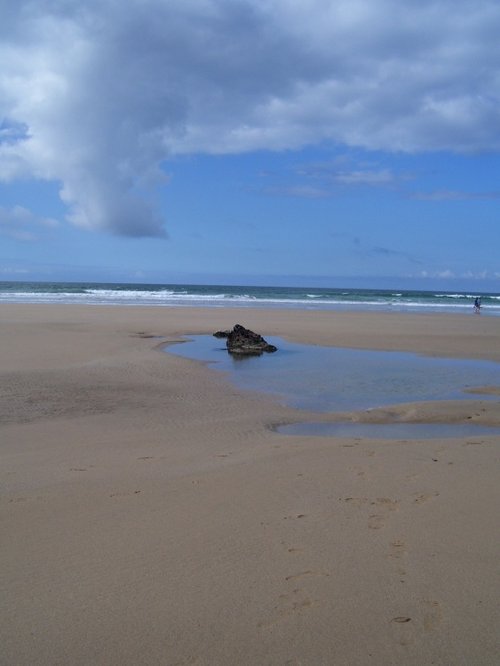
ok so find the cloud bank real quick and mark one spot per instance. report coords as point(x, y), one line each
point(97, 95)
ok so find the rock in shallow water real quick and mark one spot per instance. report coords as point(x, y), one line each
point(241, 340)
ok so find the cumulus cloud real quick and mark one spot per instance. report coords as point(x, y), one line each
point(97, 95)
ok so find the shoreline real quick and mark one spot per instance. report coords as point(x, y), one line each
point(151, 515)
point(456, 336)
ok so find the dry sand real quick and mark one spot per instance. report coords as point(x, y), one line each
point(150, 516)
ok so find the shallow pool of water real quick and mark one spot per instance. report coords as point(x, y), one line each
point(330, 379)
point(388, 430)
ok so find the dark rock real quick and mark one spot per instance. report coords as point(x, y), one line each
point(221, 334)
point(243, 341)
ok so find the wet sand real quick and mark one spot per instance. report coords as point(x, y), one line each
point(151, 516)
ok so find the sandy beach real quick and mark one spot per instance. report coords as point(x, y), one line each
point(151, 516)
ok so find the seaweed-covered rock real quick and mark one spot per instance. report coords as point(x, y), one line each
point(241, 340)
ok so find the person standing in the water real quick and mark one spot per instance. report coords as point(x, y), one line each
point(477, 305)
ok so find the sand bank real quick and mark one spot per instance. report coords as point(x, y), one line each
point(150, 516)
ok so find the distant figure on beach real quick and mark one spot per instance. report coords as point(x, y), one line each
point(477, 305)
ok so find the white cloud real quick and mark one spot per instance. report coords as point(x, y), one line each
point(381, 177)
point(454, 195)
point(21, 224)
point(300, 191)
point(469, 275)
point(97, 95)
point(10, 270)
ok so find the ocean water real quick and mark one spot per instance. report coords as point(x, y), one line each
point(218, 296)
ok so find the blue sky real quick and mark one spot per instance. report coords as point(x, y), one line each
point(234, 141)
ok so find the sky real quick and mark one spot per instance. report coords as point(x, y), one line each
point(300, 142)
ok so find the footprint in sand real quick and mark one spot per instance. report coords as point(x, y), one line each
point(403, 629)
point(136, 492)
point(386, 503)
point(360, 472)
point(410, 627)
point(289, 605)
point(296, 517)
point(397, 553)
point(291, 549)
point(433, 614)
point(384, 506)
point(375, 521)
point(381, 507)
point(425, 497)
point(354, 501)
point(398, 550)
point(306, 573)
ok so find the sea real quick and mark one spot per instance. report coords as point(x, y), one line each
point(224, 296)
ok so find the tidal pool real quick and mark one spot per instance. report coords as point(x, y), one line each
point(332, 379)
